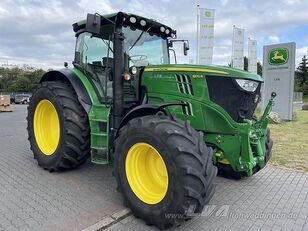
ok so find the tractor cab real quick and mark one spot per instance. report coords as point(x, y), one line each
point(120, 46)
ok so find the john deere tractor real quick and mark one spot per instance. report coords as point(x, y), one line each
point(163, 126)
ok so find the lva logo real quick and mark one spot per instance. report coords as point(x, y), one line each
point(278, 56)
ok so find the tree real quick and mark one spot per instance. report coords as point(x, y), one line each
point(245, 63)
point(301, 76)
point(17, 79)
point(259, 68)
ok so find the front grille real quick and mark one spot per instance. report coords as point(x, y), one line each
point(226, 93)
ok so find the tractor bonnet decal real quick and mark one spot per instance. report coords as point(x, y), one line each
point(278, 56)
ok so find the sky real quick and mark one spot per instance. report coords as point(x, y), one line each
point(39, 32)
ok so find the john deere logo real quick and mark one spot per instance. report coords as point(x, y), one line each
point(207, 14)
point(278, 56)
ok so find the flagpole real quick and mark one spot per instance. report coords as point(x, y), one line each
point(232, 63)
point(197, 61)
point(248, 55)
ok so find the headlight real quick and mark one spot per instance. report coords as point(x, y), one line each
point(133, 70)
point(247, 85)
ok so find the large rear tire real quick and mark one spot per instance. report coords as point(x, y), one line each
point(163, 169)
point(58, 127)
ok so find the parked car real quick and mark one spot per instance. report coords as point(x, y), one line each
point(22, 98)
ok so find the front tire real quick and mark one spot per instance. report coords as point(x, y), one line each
point(58, 127)
point(163, 169)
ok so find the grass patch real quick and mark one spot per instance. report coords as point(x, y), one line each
point(291, 142)
point(305, 99)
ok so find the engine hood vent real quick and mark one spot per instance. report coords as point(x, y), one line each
point(184, 84)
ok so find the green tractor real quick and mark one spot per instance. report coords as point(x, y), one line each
point(164, 127)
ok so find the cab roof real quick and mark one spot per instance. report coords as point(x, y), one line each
point(134, 21)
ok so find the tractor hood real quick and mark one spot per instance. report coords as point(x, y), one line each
point(206, 69)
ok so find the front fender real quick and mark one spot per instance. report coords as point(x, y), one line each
point(144, 110)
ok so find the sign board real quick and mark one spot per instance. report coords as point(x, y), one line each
point(205, 35)
point(252, 55)
point(238, 48)
point(278, 75)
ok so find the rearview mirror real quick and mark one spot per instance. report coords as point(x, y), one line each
point(185, 44)
point(185, 47)
point(93, 24)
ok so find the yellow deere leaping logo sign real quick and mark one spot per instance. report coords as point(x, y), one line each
point(278, 56)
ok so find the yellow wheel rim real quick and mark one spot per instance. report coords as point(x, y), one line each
point(46, 127)
point(146, 173)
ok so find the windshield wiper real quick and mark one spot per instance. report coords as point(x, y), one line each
point(139, 37)
point(108, 45)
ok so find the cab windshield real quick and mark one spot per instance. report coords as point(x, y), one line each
point(144, 49)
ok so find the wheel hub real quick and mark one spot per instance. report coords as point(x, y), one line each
point(146, 173)
point(46, 127)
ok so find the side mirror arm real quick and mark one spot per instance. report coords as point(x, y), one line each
point(175, 61)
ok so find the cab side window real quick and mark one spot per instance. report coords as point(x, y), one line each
point(95, 56)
